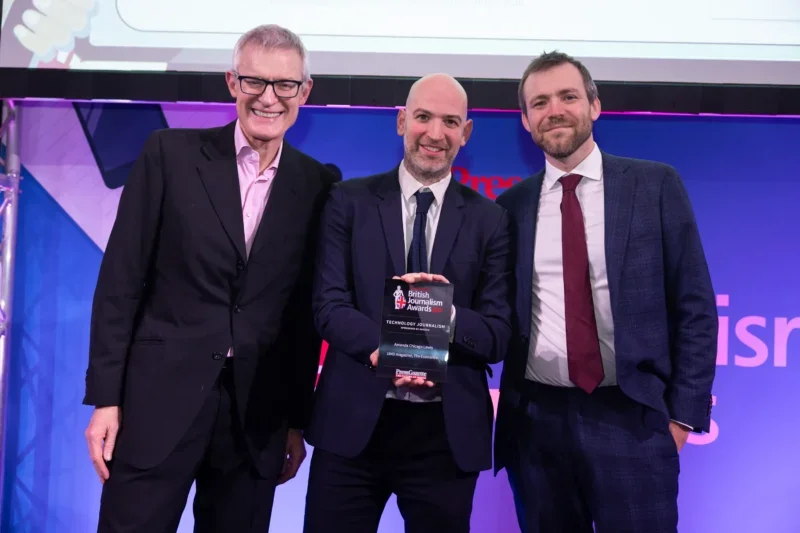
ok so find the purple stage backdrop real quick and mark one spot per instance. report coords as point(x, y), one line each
point(741, 175)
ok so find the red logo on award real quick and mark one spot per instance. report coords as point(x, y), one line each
point(399, 298)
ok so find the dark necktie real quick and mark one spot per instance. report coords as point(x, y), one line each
point(418, 253)
point(583, 345)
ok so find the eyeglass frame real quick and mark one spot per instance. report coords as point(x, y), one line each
point(268, 83)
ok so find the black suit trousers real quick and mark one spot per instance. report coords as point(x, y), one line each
point(230, 495)
point(408, 455)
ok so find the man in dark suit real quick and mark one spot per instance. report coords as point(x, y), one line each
point(425, 442)
point(614, 351)
point(203, 349)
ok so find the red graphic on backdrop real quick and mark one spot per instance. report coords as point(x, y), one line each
point(321, 360)
point(489, 186)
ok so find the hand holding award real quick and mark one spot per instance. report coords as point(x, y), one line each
point(415, 329)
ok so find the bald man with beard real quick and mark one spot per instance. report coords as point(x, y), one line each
point(425, 442)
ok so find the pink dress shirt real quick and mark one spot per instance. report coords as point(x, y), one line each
point(254, 188)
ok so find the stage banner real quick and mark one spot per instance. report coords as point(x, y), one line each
point(740, 173)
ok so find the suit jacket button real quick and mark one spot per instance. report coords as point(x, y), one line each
point(216, 356)
point(525, 339)
point(240, 265)
point(237, 309)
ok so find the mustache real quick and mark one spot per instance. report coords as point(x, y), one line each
point(557, 123)
point(443, 146)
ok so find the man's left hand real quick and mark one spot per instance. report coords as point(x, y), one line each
point(422, 277)
point(295, 454)
point(680, 434)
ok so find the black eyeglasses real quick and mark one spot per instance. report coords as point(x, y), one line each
point(256, 86)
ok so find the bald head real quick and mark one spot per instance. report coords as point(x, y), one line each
point(434, 126)
point(438, 85)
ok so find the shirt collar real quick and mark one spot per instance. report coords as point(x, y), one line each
point(243, 148)
point(591, 167)
point(409, 185)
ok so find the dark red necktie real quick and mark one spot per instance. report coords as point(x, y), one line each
point(583, 345)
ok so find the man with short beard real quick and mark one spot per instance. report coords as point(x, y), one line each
point(614, 351)
point(425, 442)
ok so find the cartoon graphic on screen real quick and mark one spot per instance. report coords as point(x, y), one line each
point(192, 36)
point(46, 30)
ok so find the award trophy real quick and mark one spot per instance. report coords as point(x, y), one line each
point(415, 330)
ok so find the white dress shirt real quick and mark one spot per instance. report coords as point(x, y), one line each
point(547, 358)
point(408, 187)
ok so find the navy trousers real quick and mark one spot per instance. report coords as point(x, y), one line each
point(578, 461)
point(408, 455)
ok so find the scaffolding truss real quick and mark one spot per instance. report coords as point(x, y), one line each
point(9, 208)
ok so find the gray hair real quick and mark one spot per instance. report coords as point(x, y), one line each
point(549, 60)
point(272, 37)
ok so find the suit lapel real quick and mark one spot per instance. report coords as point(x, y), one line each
point(391, 213)
point(526, 243)
point(220, 178)
point(288, 185)
point(618, 202)
point(450, 220)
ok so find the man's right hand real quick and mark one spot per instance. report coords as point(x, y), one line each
point(400, 382)
point(101, 435)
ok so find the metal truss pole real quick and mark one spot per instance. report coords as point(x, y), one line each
point(9, 188)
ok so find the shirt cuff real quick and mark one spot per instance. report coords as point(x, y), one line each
point(684, 426)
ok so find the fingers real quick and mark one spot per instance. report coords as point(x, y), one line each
point(66, 17)
point(31, 41)
point(293, 467)
point(284, 477)
point(52, 25)
point(422, 277)
point(679, 433)
point(295, 455)
point(401, 382)
point(101, 437)
point(49, 33)
point(679, 442)
point(111, 441)
point(373, 358)
point(411, 382)
point(94, 439)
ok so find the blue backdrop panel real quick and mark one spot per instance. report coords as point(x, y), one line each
point(47, 485)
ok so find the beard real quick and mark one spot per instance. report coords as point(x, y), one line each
point(568, 142)
point(424, 169)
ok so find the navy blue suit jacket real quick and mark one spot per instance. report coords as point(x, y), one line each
point(362, 245)
point(662, 300)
